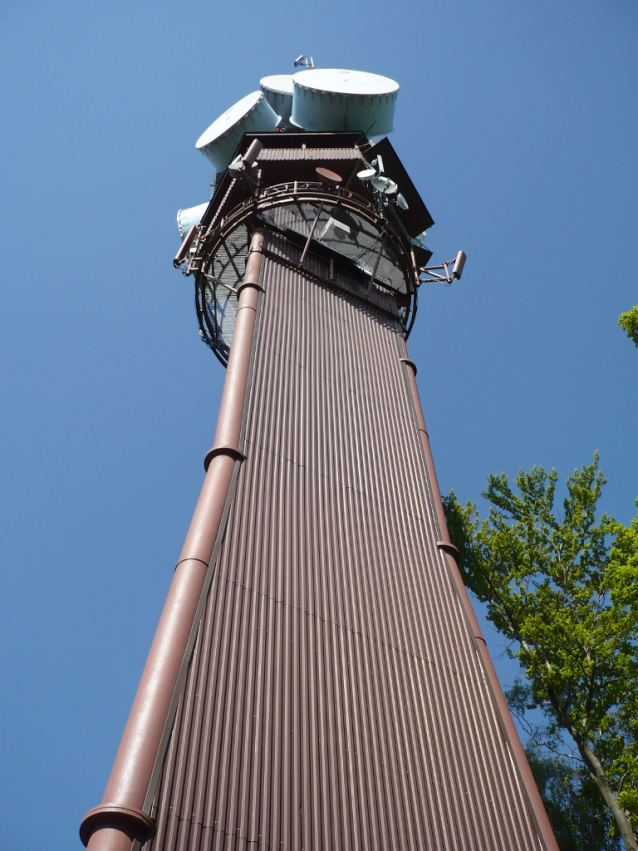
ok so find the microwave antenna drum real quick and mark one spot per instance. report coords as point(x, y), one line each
point(251, 114)
point(277, 89)
point(189, 217)
point(335, 99)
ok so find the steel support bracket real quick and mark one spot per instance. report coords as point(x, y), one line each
point(253, 284)
point(409, 363)
point(136, 823)
point(231, 451)
point(450, 549)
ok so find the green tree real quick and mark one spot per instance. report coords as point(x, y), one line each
point(629, 323)
point(575, 809)
point(565, 593)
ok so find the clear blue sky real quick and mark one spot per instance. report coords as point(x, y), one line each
point(518, 123)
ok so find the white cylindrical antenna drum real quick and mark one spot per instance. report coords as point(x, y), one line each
point(277, 90)
point(189, 217)
point(252, 114)
point(334, 99)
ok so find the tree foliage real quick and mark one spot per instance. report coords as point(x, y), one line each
point(629, 323)
point(575, 809)
point(564, 590)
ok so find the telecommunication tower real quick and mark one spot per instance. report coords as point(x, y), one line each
point(318, 679)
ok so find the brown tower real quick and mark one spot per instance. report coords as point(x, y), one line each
point(318, 679)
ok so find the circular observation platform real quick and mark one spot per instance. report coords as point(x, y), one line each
point(341, 239)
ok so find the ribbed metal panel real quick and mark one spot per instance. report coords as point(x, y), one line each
point(310, 154)
point(335, 699)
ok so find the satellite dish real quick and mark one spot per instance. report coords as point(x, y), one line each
point(403, 204)
point(374, 169)
point(333, 99)
point(328, 178)
point(367, 174)
point(277, 89)
point(384, 185)
point(252, 114)
point(236, 163)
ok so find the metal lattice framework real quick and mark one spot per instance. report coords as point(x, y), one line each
point(217, 294)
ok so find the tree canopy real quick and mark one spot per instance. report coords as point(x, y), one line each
point(629, 323)
point(564, 591)
point(574, 806)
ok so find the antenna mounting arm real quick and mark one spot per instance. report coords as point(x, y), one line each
point(446, 273)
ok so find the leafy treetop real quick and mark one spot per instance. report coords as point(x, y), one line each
point(629, 323)
point(565, 592)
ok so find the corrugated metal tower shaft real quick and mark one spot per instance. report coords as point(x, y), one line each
point(335, 699)
point(334, 692)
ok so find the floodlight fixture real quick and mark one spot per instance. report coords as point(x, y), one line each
point(186, 244)
point(459, 263)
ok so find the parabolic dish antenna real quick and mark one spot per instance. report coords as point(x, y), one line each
point(367, 174)
point(333, 99)
point(252, 114)
point(277, 90)
point(384, 185)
